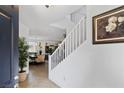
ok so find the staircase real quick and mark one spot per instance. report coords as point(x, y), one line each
point(72, 41)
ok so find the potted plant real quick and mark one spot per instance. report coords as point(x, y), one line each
point(23, 55)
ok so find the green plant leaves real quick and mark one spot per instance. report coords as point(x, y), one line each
point(23, 53)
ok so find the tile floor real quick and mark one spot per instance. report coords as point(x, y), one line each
point(38, 77)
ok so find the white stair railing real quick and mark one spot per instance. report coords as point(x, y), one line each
point(73, 40)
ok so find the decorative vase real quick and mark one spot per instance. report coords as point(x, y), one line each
point(22, 76)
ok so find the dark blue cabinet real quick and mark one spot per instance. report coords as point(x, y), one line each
point(8, 45)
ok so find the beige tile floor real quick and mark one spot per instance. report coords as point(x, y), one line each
point(38, 77)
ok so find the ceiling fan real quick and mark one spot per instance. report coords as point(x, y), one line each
point(47, 6)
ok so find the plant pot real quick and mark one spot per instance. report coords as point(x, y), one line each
point(22, 76)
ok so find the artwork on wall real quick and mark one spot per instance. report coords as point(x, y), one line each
point(108, 27)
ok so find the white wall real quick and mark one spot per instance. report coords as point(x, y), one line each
point(69, 25)
point(74, 18)
point(92, 65)
point(23, 30)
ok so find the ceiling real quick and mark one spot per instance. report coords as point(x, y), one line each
point(40, 20)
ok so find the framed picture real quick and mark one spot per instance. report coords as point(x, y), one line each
point(108, 27)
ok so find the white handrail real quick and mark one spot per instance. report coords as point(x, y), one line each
point(69, 33)
point(72, 41)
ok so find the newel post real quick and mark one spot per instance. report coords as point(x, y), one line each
point(49, 66)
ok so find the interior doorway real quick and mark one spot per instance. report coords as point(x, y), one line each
point(37, 65)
